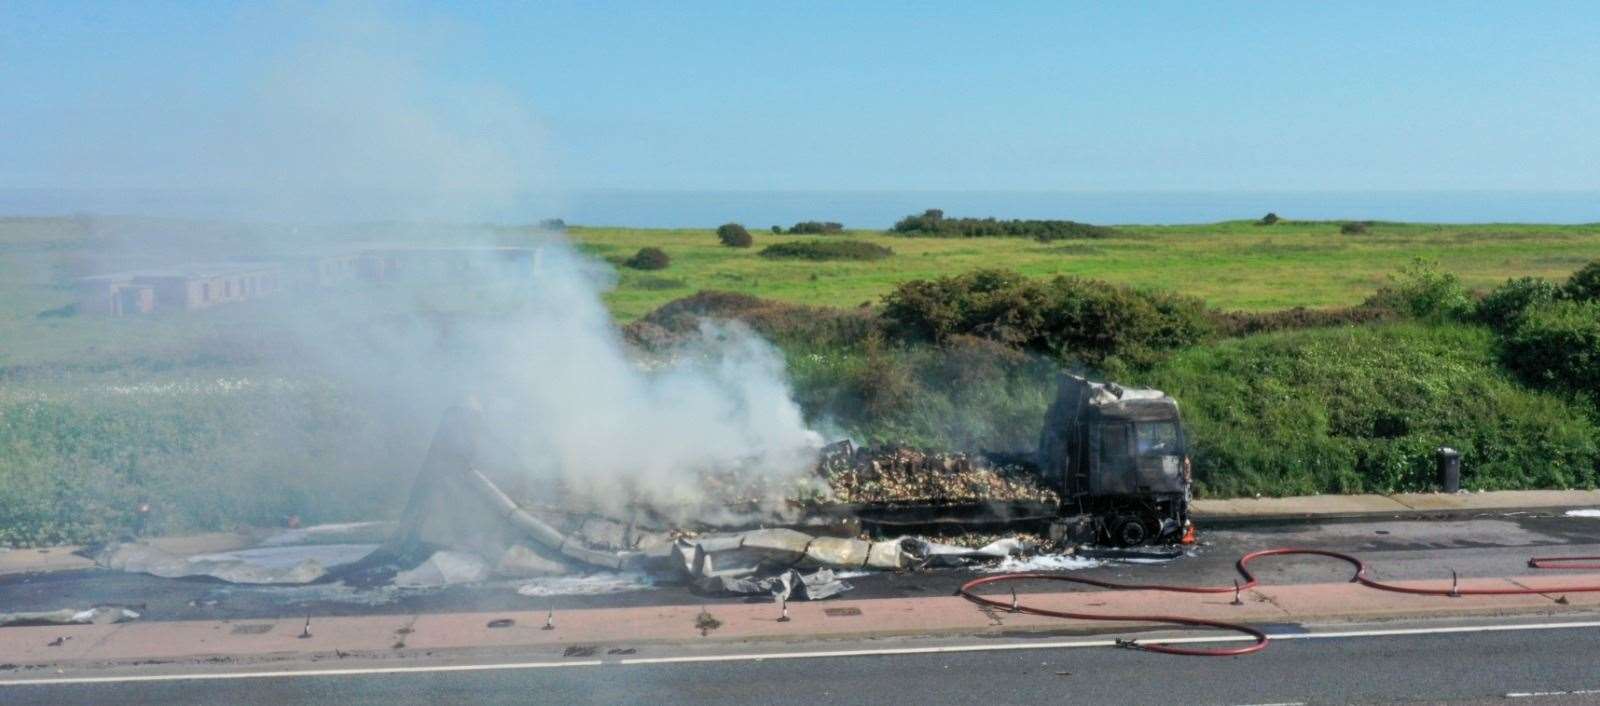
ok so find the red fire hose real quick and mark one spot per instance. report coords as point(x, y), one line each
point(1575, 562)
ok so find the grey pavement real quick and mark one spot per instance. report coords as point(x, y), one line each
point(1480, 668)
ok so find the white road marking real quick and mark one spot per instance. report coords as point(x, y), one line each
point(299, 673)
point(1536, 694)
point(760, 657)
point(1102, 643)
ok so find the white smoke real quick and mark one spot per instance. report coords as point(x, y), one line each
point(355, 124)
point(616, 431)
point(353, 107)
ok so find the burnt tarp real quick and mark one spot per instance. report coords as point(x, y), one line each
point(288, 564)
point(98, 615)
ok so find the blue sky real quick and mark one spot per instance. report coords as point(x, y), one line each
point(832, 96)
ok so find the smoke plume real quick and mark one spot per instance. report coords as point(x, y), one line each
point(353, 126)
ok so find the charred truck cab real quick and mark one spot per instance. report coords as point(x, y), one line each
point(1121, 463)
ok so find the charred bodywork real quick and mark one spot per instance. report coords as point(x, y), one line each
point(1120, 460)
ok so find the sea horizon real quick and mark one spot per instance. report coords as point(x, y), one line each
point(871, 209)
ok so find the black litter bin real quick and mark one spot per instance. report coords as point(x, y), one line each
point(1448, 462)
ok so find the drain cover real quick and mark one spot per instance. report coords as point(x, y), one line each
point(841, 612)
point(252, 629)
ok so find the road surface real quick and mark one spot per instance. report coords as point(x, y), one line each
point(1494, 545)
point(1537, 667)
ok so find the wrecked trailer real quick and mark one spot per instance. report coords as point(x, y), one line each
point(1111, 469)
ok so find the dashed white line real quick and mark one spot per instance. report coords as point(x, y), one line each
point(1536, 694)
point(761, 657)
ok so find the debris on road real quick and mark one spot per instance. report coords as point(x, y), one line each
point(705, 622)
point(786, 586)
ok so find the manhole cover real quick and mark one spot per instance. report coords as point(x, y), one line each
point(841, 612)
point(252, 629)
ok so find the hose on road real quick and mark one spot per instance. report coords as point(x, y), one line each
point(968, 591)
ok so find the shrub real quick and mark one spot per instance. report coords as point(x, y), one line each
point(816, 228)
point(828, 250)
point(1244, 323)
point(777, 229)
point(933, 223)
point(1422, 290)
point(1066, 317)
point(734, 235)
point(1558, 345)
point(1503, 307)
point(1268, 219)
point(649, 259)
point(785, 323)
point(553, 224)
point(883, 384)
point(1584, 285)
point(1355, 227)
point(1360, 409)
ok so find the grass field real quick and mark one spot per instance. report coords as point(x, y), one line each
point(215, 416)
point(1233, 265)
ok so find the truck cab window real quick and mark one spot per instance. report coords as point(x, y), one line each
point(1113, 441)
point(1158, 438)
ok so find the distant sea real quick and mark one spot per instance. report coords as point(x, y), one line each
point(861, 209)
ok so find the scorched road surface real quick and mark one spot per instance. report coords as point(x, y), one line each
point(1533, 667)
point(1487, 546)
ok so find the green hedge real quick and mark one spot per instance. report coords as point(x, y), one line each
point(1558, 345)
point(1066, 317)
point(827, 250)
point(1360, 410)
point(206, 453)
point(932, 223)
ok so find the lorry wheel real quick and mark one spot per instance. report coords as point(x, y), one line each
point(1129, 531)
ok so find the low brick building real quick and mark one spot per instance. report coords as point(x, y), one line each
point(181, 288)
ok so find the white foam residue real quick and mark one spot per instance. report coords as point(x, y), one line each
point(591, 585)
point(1591, 512)
point(1041, 562)
point(285, 557)
point(349, 532)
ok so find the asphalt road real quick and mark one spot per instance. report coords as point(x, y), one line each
point(1487, 546)
point(1527, 667)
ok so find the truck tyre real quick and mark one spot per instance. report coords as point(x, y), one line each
point(1129, 531)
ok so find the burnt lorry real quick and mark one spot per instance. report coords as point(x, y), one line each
point(1119, 459)
point(1111, 469)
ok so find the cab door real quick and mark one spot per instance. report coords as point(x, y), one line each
point(1112, 460)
